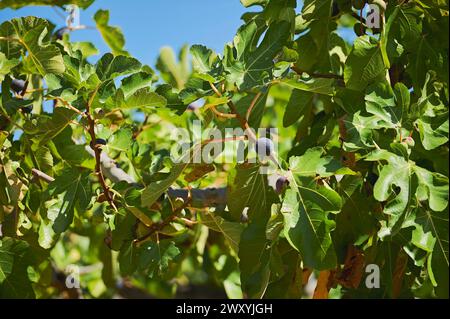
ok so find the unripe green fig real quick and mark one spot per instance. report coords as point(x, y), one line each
point(358, 4)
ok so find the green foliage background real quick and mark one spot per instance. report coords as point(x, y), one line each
point(363, 141)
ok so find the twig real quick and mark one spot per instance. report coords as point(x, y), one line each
point(252, 105)
point(41, 175)
point(154, 228)
point(144, 123)
point(213, 87)
point(97, 151)
point(220, 114)
point(242, 121)
point(35, 90)
point(68, 105)
point(187, 222)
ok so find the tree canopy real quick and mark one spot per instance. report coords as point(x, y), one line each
point(355, 170)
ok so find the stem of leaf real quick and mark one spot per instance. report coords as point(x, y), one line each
point(68, 105)
point(252, 105)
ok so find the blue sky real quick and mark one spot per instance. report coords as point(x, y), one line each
point(150, 24)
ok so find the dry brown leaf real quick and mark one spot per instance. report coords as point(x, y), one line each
point(350, 276)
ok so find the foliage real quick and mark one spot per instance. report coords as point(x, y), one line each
point(86, 176)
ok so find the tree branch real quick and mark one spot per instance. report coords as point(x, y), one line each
point(158, 226)
point(41, 175)
point(252, 105)
point(97, 152)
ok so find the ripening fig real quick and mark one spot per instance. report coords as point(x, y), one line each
point(358, 4)
point(193, 107)
point(264, 146)
point(18, 85)
point(281, 183)
point(100, 141)
point(60, 32)
point(27, 109)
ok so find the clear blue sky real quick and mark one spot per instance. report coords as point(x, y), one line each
point(150, 24)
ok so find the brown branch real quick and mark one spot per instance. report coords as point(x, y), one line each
point(220, 114)
point(213, 87)
point(97, 152)
point(243, 122)
point(154, 228)
point(252, 105)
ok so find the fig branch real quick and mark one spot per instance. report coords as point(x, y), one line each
point(243, 122)
point(154, 228)
point(97, 152)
